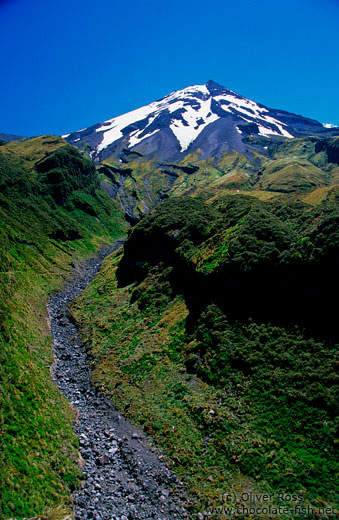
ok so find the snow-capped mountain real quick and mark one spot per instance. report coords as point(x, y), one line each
point(207, 117)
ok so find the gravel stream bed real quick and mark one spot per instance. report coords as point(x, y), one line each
point(126, 478)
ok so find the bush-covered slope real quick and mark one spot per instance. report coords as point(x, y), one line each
point(267, 260)
point(52, 214)
point(216, 331)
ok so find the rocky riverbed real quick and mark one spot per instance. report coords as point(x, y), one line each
point(126, 478)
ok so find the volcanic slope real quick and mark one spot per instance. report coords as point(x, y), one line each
point(209, 118)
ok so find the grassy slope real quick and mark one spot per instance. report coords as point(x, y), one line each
point(236, 404)
point(40, 241)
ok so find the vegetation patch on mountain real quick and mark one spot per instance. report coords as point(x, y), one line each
point(285, 169)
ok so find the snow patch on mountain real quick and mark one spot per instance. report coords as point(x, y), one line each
point(136, 139)
point(64, 136)
point(188, 92)
point(193, 121)
point(112, 127)
point(254, 113)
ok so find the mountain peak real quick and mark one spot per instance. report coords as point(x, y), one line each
point(216, 89)
point(209, 118)
point(213, 84)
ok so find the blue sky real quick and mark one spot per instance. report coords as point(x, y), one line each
point(68, 64)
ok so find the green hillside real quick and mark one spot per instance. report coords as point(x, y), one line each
point(52, 214)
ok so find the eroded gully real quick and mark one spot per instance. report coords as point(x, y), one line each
point(126, 478)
